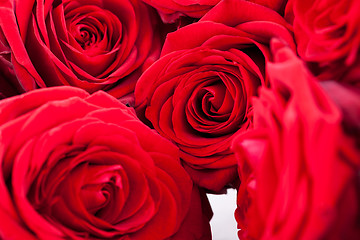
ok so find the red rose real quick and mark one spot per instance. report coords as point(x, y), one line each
point(75, 165)
point(328, 37)
point(197, 94)
point(88, 44)
point(171, 10)
point(298, 169)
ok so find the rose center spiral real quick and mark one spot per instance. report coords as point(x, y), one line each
point(85, 37)
point(216, 101)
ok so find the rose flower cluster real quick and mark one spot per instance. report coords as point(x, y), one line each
point(118, 118)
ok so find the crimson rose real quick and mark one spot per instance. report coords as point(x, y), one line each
point(198, 93)
point(84, 43)
point(299, 171)
point(328, 37)
point(75, 165)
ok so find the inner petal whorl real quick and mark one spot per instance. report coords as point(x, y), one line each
point(87, 31)
point(213, 101)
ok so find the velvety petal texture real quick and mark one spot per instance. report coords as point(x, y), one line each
point(171, 10)
point(198, 93)
point(76, 166)
point(299, 169)
point(91, 44)
point(328, 37)
point(8, 87)
point(347, 98)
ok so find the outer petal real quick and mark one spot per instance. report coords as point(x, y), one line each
point(303, 147)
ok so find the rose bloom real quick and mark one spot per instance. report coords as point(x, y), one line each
point(198, 93)
point(328, 37)
point(88, 44)
point(172, 10)
point(299, 170)
point(75, 165)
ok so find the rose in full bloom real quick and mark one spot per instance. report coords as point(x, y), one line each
point(328, 37)
point(84, 43)
point(75, 166)
point(299, 169)
point(171, 10)
point(198, 93)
